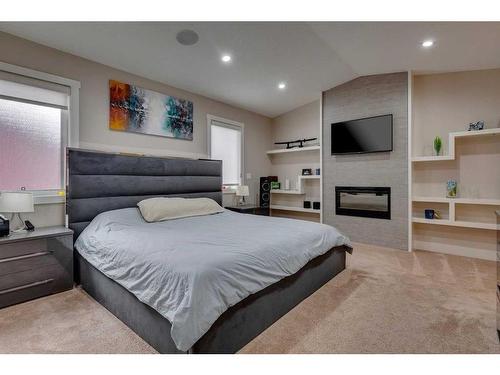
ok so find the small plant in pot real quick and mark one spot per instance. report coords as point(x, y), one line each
point(437, 145)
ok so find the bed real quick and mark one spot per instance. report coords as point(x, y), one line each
point(104, 186)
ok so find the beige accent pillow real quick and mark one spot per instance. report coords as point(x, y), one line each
point(161, 209)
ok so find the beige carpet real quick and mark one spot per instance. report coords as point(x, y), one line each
point(387, 301)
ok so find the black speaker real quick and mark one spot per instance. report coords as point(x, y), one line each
point(265, 190)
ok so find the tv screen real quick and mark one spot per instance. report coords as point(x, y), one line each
point(372, 134)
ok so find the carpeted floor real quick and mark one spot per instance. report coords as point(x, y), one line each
point(387, 301)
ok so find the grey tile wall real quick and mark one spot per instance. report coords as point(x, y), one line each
point(365, 97)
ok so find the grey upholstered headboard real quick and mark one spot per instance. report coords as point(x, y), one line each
point(98, 182)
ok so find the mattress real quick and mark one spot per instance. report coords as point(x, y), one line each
point(192, 270)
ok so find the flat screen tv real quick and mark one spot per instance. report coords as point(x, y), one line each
point(371, 134)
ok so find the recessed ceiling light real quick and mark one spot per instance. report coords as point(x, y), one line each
point(427, 43)
point(282, 85)
point(226, 58)
point(187, 37)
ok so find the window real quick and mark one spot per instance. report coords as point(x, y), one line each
point(30, 146)
point(34, 131)
point(225, 140)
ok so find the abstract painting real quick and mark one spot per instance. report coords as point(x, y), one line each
point(134, 109)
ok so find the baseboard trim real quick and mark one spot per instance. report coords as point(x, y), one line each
point(455, 250)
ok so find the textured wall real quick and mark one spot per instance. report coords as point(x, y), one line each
point(365, 97)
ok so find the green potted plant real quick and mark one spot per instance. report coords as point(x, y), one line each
point(437, 145)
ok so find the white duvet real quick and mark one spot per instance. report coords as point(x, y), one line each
point(191, 270)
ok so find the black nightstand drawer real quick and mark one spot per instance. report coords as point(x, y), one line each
point(34, 254)
point(27, 262)
point(11, 250)
point(27, 292)
point(19, 279)
point(34, 283)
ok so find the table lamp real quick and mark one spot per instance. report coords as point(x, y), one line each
point(16, 202)
point(242, 192)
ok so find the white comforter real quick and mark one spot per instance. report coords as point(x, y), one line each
point(191, 270)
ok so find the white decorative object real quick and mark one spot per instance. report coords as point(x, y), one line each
point(16, 202)
point(242, 191)
point(287, 184)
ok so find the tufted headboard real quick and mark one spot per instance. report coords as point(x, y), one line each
point(99, 182)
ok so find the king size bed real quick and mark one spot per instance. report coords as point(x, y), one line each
point(203, 284)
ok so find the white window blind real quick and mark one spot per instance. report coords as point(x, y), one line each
point(33, 94)
point(33, 122)
point(226, 145)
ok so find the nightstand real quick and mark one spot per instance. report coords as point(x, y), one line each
point(250, 209)
point(35, 264)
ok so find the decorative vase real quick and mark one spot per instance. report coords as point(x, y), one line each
point(451, 189)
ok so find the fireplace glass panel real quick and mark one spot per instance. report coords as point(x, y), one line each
point(372, 202)
point(364, 201)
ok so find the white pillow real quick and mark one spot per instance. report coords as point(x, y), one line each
point(160, 209)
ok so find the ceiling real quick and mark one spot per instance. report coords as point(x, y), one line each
point(309, 57)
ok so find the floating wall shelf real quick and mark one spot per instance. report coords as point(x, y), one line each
point(312, 177)
point(291, 208)
point(481, 201)
point(453, 223)
point(300, 186)
point(451, 144)
point(282, 191)
point(296, 149)
point(452, 202)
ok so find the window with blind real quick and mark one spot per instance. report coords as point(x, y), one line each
point(226, 144)
point(33, 129)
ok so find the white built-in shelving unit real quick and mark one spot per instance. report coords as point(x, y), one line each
point(465, 213)
point(451, 212)
point(300, 186)
point(289, 163)
point(301, 181)
point(291, 201)
point(451, 144)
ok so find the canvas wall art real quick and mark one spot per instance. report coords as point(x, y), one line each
point(134, 109)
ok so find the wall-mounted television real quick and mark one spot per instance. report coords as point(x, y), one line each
point(371, 134)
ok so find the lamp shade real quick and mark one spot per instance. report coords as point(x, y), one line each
point(242, 191)
point(18, 201)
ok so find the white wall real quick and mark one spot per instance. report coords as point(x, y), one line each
point(302, 122)
point(444, 103)
point(94, 102)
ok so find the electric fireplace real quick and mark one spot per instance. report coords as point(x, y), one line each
point(374, 202)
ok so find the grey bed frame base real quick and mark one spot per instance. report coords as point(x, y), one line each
point(99, 182)
point(235, 328)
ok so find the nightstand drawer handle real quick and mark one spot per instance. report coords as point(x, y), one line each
point(18, 288)
point(27, 256)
